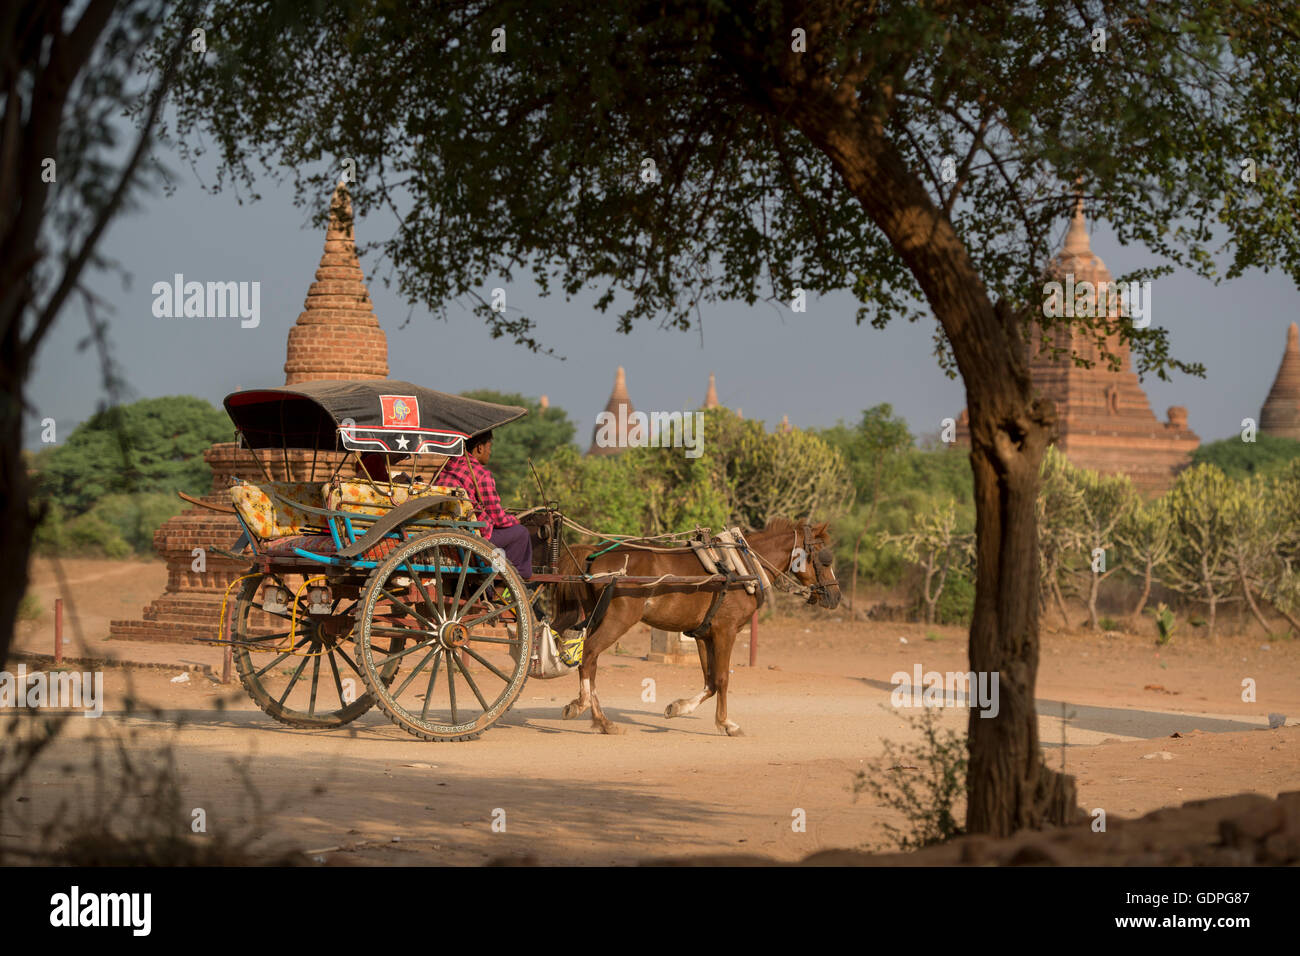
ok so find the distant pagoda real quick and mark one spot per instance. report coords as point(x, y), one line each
point(620, 406)
point(1280, 416)
point(711, 397)
point(1104, 417)
point(337, 336)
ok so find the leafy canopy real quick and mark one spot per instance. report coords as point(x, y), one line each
point(153, 445)
point(532, 158)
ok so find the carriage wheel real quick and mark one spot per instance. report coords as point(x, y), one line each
point(469, 646)
point(317, 683)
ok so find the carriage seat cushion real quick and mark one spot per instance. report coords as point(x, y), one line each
point(269, 517)
point(323, 544)
point(380, 497)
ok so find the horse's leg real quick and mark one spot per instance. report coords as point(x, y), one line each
point(679, 708)
point(723, 638)
point(619, 618)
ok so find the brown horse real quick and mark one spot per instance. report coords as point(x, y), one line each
point(685, 610)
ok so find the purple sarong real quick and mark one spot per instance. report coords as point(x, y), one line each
point(514, 541)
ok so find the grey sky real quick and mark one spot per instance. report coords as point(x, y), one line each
point(815, 367)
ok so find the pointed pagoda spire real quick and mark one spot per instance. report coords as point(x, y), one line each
point(1076, 239)
point(1280, 416)
point(618, 398)
point(785, 424)
point(337, 336)
point(711, 397)
point(1076, 256)
point(543, 403)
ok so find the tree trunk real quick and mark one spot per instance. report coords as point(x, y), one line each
point(1092, 602)
point(16, 523)
point(1008, 785)
point(1289, 617)
point(1146, 593)
point(1254, 608)
point(929, 601)
point(853, 590)
point(1060, 603)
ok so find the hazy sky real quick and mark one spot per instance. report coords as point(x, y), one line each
point(815, 366)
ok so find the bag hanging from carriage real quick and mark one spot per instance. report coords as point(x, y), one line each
point(556, 656)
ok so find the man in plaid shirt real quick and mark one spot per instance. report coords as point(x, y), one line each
point(503, 530)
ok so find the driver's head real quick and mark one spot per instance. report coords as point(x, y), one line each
point(480, 447)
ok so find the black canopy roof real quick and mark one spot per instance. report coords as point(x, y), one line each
point(385, 415)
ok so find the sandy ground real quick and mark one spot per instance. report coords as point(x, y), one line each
point(816, 710)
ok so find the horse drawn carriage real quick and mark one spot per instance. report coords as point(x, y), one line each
point(376, 586)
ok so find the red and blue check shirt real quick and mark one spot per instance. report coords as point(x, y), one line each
point(468, 473)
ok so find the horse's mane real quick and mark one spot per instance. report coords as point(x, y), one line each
point(779, 523)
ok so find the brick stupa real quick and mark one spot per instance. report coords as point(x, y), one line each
point(1105, 419)
point(711, 397)
point(1280, 416)
point(337, 336)
point(618, 399)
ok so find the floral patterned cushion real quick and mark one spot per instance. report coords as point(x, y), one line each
point(378, 498)
point(278, 518)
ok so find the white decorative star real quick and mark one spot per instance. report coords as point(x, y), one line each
point(402, 442)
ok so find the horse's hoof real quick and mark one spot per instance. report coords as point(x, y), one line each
point(609, 728)
point(570, 711)
point(732, 730)
point(671, 710)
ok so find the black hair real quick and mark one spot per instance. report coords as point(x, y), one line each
point(480, 439)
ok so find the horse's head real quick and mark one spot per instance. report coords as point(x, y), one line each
point(812, 562)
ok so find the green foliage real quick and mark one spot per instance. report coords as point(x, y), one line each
point(529, 158)
point(153, 445)
point(1202, 507)
point(1266, 455)
point(956, 604)
point(1110, 624)
point(874, 451)
point(765, 474)
point(1165, 623)
point(537, 435)
point(925, 480)
point(745, 475)
point(928, 800)
point(934, 543)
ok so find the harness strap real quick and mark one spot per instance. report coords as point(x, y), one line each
point(701, 629)
point(598, 612)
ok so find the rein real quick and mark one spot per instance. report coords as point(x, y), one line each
point(793, 585)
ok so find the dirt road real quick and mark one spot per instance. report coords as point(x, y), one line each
point(815, 712)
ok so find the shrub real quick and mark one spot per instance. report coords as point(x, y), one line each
point(957, 602)
point(928, 800)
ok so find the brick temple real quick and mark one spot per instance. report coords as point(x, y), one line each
point(337, 336)
point(1280, 416)
point(1105, 419)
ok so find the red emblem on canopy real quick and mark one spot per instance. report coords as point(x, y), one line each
point(400, 411)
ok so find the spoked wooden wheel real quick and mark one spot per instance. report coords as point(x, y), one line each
point(447, 604)
point(312, 680)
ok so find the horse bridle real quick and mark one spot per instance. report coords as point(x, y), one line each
point(809, 539)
